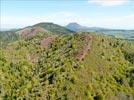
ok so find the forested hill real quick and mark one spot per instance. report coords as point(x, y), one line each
point(30, 31)
point(80, 66)
point(51, 28)
point(43, 28)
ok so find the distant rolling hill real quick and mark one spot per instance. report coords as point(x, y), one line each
point(79, 28)
point(119, 33)
point(15, 34)
point(43, 28)
point(53, 28)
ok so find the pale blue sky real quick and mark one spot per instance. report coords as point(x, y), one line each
point(101, 13)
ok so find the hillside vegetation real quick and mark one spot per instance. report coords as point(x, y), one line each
point(30, 31)
point(30, 69)
point(7, 37)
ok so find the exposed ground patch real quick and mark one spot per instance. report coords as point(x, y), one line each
point(46, 41)
point(31, 31)
point(85, 48)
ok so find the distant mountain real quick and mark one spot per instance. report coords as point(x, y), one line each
point(119, 33)
point(11, 35)
point(79, 28)
point(47, 27)
point(43, 27)
point(74, 26)
point(53, 28)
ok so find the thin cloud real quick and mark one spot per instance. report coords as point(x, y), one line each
point(108, 2)
point(124, 22)
point(63, 18)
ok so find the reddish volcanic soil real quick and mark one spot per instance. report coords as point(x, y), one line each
point(31, 31)
point(46, 41)
point(82, 52)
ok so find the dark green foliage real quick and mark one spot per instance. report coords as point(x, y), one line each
point(53, 73)
point(129, 57)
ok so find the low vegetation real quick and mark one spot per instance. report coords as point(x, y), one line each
point(7, 37)
point(28, 70)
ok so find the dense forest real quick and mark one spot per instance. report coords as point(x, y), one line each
point(75, 66)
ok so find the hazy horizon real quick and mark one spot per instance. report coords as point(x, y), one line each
point(8, 29)
point(92, 13)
